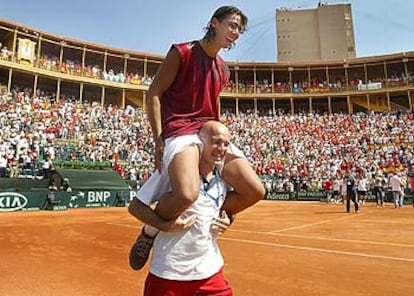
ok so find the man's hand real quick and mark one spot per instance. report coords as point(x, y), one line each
point(220, 224)
point(179, 224)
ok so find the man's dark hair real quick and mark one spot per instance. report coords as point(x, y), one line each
point(220, 14)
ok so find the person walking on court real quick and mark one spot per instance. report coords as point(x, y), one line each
point(396, 188)
point(362, 188)
point(351, 193)
point(186, 258)
point(184, 95)
point(403, 179)
point(379, 190)
point(336, 190)
point(344, 182)
point(411, 176)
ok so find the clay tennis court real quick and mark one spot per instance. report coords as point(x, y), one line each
point(274, 248)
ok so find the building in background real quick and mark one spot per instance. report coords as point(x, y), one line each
point(324, 33)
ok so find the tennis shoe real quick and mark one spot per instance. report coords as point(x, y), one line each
point(140, 250)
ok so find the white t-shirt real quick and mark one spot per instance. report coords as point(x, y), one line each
point(336, 185)
point(192, 254)
point(362, 184)
point(395, 183)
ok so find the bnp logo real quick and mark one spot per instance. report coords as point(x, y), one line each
point(12, 201)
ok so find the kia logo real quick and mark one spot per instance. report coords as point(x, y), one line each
point(12, 201)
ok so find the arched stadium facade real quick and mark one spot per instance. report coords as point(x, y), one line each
point(84, 71)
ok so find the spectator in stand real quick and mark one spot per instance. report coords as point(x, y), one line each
point(273, 141)
point(47, 167)
point(66, 185)
point(3, 166)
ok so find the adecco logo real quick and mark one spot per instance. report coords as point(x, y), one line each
point(12, 201)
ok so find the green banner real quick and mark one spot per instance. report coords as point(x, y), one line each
point(58, 200)
point(92, 198)
point(278, 196)
point(310, 195)
point(125, 197)
point(81, 199)
point(11, 201)
point(302, 195)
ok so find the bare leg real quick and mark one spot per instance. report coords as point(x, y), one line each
point(184, 177)
point(183, 172)
point(248, 189)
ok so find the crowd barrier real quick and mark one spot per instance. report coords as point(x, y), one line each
point(301, 195)
point(321, 196)
point(24, 200)
point(60, 200)
point(33, 197)
point(89, 188)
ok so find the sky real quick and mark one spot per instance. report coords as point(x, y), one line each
point(151, 26)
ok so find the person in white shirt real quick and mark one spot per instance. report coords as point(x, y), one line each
point(3, 166)
point(336, 187)
point(379, 190)
point(362, 189)
point(403, 179)
point(186, 258)
point(344, 188)
point(396, 188)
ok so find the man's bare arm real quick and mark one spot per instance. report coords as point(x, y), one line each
point(165, 76)
point(146, 214)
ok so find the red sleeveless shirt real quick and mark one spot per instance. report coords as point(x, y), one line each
point(193, 98)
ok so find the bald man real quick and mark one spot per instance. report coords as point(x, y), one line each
point(186, 258)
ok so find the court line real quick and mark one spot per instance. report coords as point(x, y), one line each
point(121, 224)
point(323, 238)
point(318, 250)
point(308, 225)
point(319, 222)
point(388, 222)
point(294, 235)
point(299, 247)
point(302, 226)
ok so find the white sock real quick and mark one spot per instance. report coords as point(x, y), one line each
point(150, 230)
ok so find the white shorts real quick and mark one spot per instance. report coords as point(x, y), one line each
point(159, 183)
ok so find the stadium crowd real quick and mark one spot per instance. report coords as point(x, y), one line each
point(72, 67)
point(301, 151)
point(317, 84)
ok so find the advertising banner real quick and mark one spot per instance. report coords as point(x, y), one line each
point(310, 195)
point(278, 196)
point(92, 198)
point(22, 201)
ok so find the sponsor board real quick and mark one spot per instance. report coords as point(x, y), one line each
point(59, 208)
point(311, 195)
point(132, 194)
point(302, 195)
point(92, 199)
point(278, 196)
point(12, 201)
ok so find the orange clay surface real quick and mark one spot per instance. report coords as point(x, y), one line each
point(273, 248)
